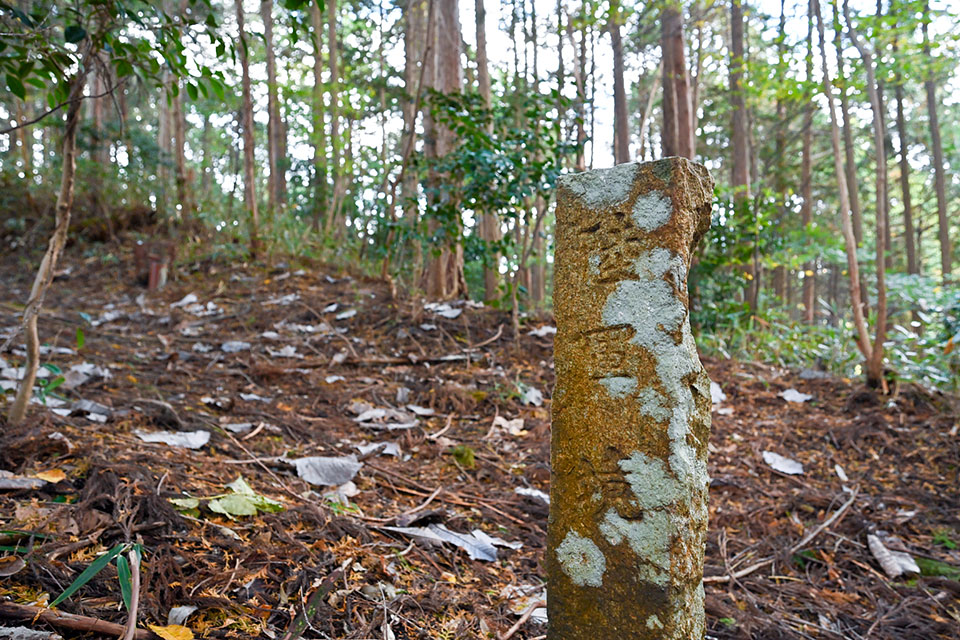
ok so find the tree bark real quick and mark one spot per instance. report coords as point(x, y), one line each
point(631, 410)
point(621, 122)
point(317, 112)
point(853, 266)
point(48, 264)
point(912, 266)
point(940, 180)
point(848, 148)
point(246, 123)
point(740, 159)
point(334, 226)
point(443, 275)
point(808, 293)
point(668, 135)
point(489, 223)
point(875, 358)
point(275, 181)
point(681, 86)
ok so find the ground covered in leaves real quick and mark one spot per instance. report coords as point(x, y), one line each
point(289, 439)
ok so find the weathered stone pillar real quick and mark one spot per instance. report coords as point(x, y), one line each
point(631, 409)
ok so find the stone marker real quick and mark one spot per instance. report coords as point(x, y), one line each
point(631, 409)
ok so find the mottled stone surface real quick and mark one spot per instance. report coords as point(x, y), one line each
point(631, 409)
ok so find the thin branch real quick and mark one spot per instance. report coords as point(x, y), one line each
point(61, 106)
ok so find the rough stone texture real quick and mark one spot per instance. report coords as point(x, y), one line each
point(631, 409)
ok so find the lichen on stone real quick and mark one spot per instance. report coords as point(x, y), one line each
point(582, 561)
point(619, 386)
point(648, 537)
point(602, 188)
point(651, 210)
point(652, 485)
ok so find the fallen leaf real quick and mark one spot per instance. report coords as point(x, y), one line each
point(172, 632)
point(784, 465)
point(52, 476)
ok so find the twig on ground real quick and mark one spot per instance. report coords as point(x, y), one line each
point(803, 542)
point(523, 619)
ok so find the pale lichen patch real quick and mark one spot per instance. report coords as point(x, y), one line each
point(653, 404)
point(653, 622)
point(651, 211)
point(602, 188)
point(619, 386)
point(582, 561)
point(649, 480)
point(648, 537)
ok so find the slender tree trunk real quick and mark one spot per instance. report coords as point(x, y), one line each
point(48, 264)
point(853, 266)
point(621, 122)
point(246, 123)
point(317, 113)
point(908, 232)
point(740, 166)
point(879, 47)
point(206, 165)
point(489, 223)
point(647, 110)
point(275, 181)
point(875, 359)
point(668, 136)
point(443, 277)
point(780, 145)
point(334, 225)
point(681, 86)
point(809, 293)
point(848, 148)
point(940, 181)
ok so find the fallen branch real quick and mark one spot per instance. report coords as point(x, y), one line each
point(68, 620)
point(803, 542)
point(523, 619)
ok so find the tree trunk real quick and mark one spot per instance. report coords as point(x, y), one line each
point(848, 148)
point(908, 232)
point(444, 277)
point(681, 86)
point(317, 112)
point(940, 180)
point(853, 267)
point(809, 293)
point(334, 225)
point(275, 181)
point(246, 123)
point(489, 224)
point(621, 122)
point(48, 264)
point(875, 358)
point(668, 136)
point(740, 165)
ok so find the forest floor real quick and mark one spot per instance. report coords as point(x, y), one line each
point(319, 363)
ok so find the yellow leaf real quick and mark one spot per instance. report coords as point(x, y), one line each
point(53, 475)
point(132, 378)
point(172, 632)
point(808, 272)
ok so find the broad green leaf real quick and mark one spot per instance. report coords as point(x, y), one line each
point(16, 86)
point(235, 505)
point(81, 338)
point(74, 33)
